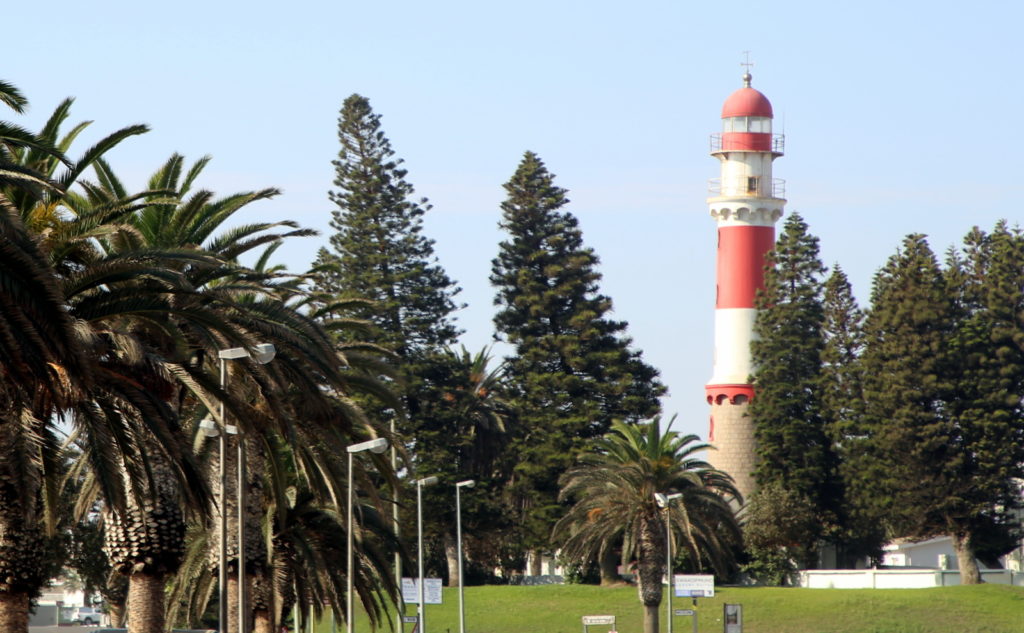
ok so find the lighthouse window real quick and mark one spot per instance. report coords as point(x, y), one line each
point(757, 124)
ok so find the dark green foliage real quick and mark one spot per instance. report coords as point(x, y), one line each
point(859, 533)
point(794, 451)
point(379, 252)
point(907, 381)
point(779, 532)
point(572, 371)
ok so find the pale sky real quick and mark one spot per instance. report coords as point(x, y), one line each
point(899, 117)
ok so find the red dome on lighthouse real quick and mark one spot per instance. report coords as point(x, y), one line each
point(746, 102)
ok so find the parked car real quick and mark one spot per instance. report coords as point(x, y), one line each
point(86, 615)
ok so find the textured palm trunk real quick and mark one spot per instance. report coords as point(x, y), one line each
point(146, 603)
point(233, 602)
point(650, 569)
point(14, 612)
point(146, 541)
point(451, 553)
point(116, 613)
point(966, 561)
point(22, 544)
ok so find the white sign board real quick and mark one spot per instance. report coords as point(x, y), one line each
point(598, 619)
point(685, 612)
point(431, 591)
point(698, 586)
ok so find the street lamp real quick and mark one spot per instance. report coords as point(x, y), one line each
point(469, 483)
point(262, 353)
point(420, 483)
point(664, 502)
point(376, 446)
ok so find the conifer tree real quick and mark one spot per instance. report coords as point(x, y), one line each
point(379, 251)
point(381, 268)
point(988, 352)
point(794, 452)
point(910, 463)
point(842, 408)
point(573, 370)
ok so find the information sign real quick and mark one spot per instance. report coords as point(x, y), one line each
point(696, 586)
point(410, 619)
point(431, 591)
point(684, 612)
point(589, 620)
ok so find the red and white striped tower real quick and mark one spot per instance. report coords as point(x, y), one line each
point(746, 201)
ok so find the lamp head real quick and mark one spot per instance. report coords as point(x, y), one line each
point(469, 483)
point(208, 427)
point(427, 481)
point(661, 500)
point(377, 445)
point(264, 353)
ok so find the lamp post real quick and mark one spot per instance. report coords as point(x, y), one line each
point(262, 353)
point(420, 483)
point(377, 446)
point(665, 503)
point(469, 483)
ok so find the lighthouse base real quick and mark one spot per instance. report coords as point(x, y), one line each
point(732, 436)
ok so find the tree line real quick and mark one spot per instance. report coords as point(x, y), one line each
point(903, 420)
point(116, 306)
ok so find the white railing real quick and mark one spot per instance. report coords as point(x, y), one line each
point(754, 187)
point(778, 145)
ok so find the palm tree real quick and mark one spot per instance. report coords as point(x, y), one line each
point(45, 354)
point(614, 491)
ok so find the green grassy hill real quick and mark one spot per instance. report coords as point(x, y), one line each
point(558, 608)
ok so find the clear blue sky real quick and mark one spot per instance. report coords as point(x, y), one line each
point(899, 116)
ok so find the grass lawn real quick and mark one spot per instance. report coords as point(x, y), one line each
point(557, 609)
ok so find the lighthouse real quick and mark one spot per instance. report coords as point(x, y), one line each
point(745, 202)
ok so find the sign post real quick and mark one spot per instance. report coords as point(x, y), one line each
point(693, 586)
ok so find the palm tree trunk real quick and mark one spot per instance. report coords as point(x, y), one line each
point(146, 603)
point(651, 619)
point(14, 612)
point(966, 561)
point(452, 555)
point(116, 611)
point(233, 602)
point(262, 622)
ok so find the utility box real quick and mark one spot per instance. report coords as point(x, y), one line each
point(732, 618)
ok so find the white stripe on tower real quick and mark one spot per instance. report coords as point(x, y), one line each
point(746, 202)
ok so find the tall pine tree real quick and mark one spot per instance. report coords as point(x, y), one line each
point(379, 252)
point(910, 470)
point(381, 268)
point(793, 449)
point(573, 370)
point(988, 350)
point(842, 408)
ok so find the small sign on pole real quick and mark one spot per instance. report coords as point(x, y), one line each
point(599, 620)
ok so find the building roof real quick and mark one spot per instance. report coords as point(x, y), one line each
point(746, 102)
